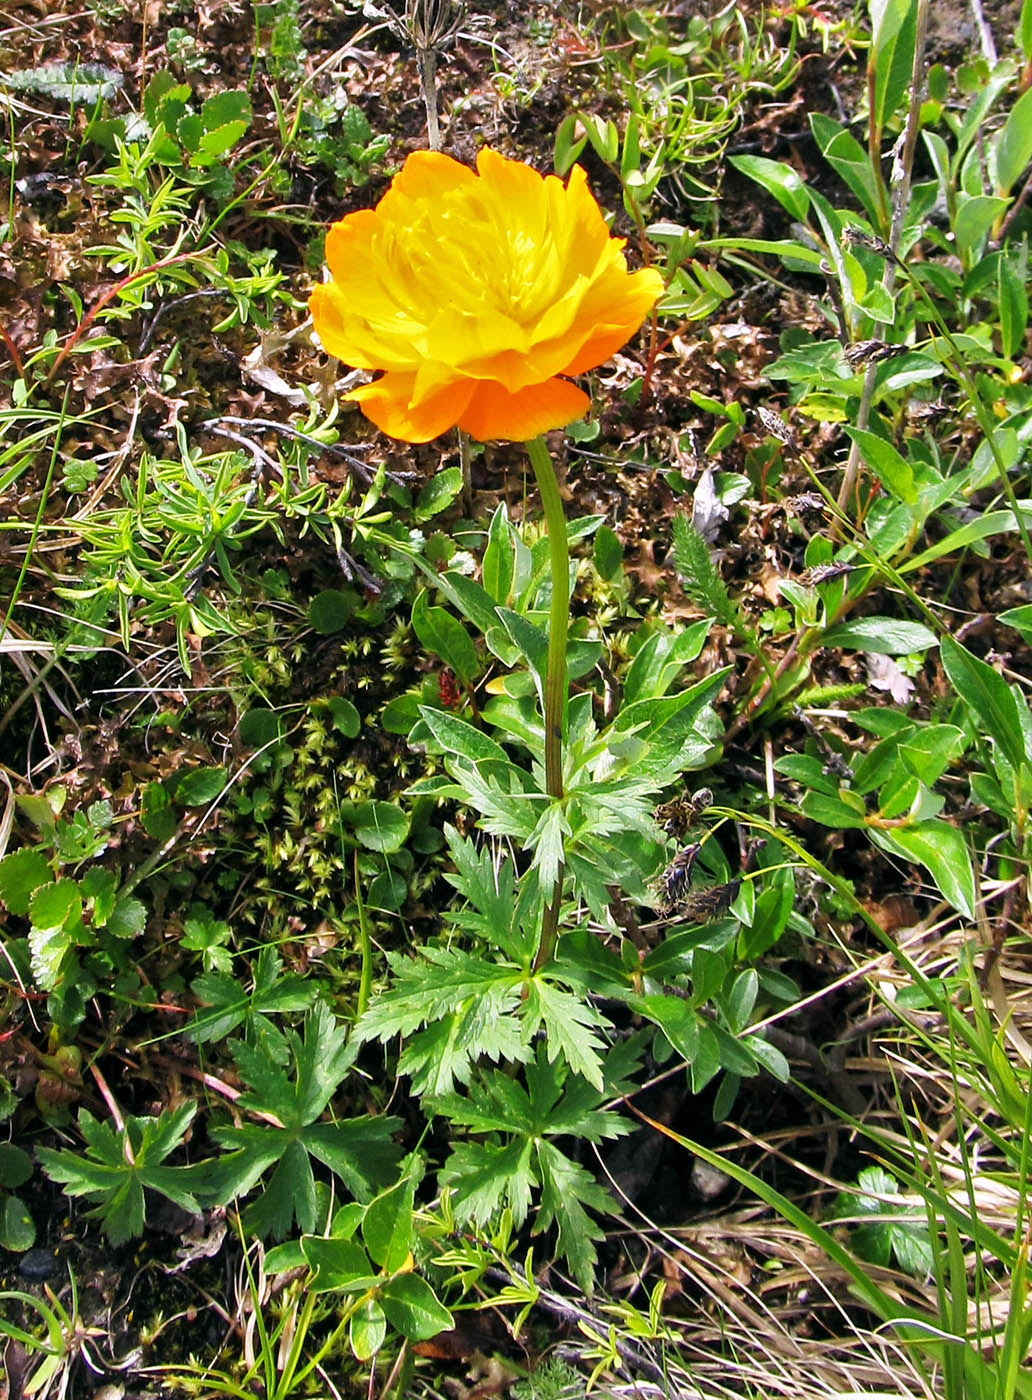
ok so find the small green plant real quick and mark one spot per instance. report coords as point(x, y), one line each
point(194, 144)
point(182, 49)
point(17, 1229)
point(886, 1229)
point(80, 925)
point(291, 1134)
point(358, 1284)
point(121, 1163)
point(66, 1341)
point(335, 133)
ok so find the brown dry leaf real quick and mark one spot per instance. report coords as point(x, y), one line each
point(892, 913)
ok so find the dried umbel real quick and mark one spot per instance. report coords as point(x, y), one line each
point(477, 295)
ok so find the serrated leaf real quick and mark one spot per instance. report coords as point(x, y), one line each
point(226, 1005)
point(56, 906)
point(119, 1164)
point(438, 493)
point(56, 914)
point(231, 105)
point(21, 874)
point(159, 820)
point(571, 1028)
point(128, 919)
point(483, 1176)
point(565, 1185)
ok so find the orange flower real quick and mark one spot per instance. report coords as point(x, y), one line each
point(474, 294)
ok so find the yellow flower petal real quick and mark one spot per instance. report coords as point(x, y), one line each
point(387, 402)
point(473, 291)
point(495, 413)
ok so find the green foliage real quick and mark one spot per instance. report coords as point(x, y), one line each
point(120, 1162)
point(702, 581)
point(377, 1273)
point(17, 1229)
point(518, 1157)
point(225, 1005)
point(888, 1236)
point(80, 926)
point(555, 1380)
point(177, 136)
point(291, 606)
point(889, 793)
point(335, 133)
point(290, 1099)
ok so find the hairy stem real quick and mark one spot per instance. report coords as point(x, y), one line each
point(555, 675)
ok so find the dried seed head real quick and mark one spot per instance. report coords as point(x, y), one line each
point(432, 23)
point(918, 411)
point(871, 352)
point(854, 237)
point(773, 424)
point(805, 501)
point(700, 800)
point(678, 875)
point(824, 573)
point(707, 904)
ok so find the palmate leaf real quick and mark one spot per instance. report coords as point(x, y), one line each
point(357, 1150)
point(226, 1005)
point(119, 1164)
point(571, 1027)
point(469, 1007)
point(520, 1155)
point(442, 1054)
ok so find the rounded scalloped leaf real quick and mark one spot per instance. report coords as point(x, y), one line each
point(21, 874)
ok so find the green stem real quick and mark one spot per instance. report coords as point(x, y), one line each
point(555, 675)
point(365, 944)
